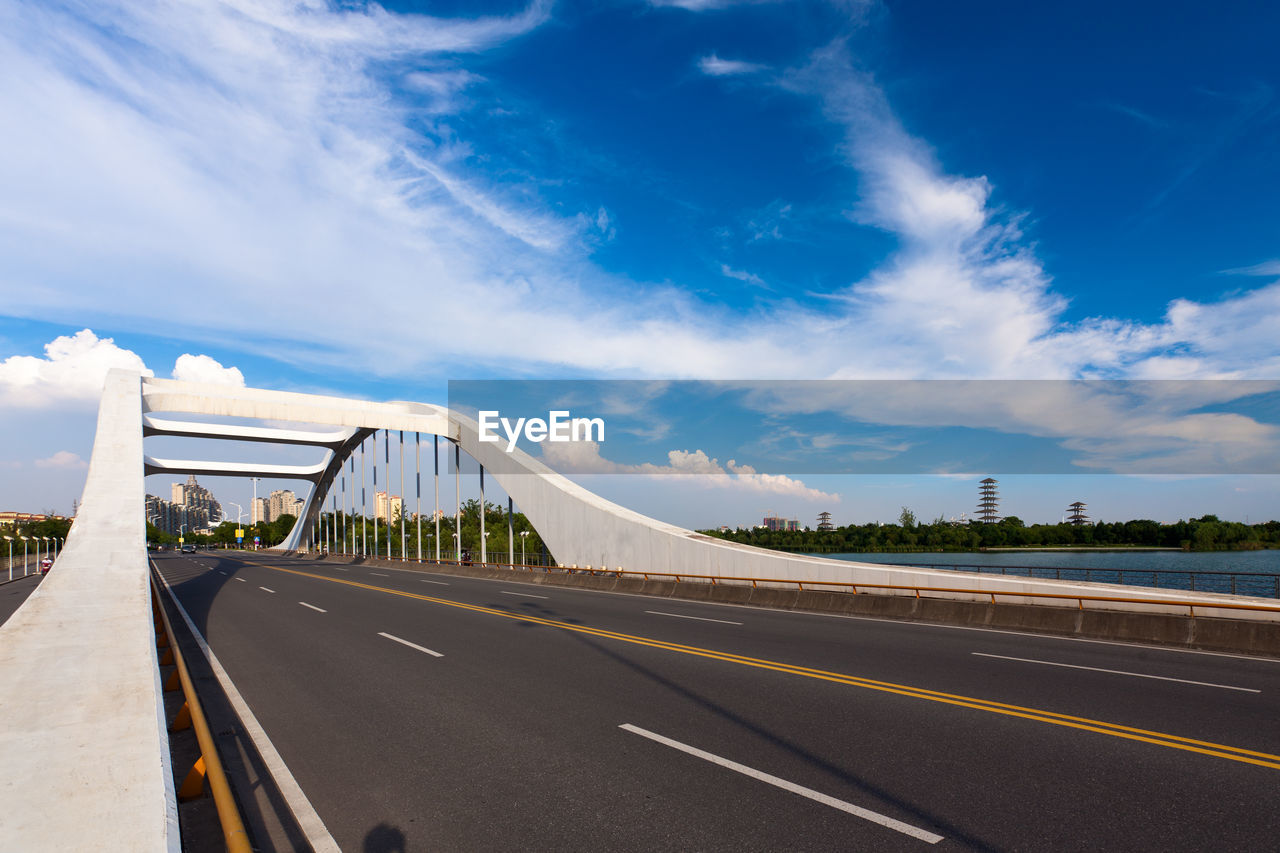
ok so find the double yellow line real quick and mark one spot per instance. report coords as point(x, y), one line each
point(1217, 750)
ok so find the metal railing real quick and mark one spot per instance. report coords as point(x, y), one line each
point(1263, 585)
point(191, 715)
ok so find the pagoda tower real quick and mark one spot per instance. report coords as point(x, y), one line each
point(988, 501)
point(1076, 514)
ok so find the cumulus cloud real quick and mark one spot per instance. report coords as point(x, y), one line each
point(74, 368)
point(584, 457)
point(63, 459)
point(72, 371)
point(202, 368)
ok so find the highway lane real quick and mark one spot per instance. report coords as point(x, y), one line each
point(512, 738)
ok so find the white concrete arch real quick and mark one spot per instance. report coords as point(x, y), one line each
point(579, 527)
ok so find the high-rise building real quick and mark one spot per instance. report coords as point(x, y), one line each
point(281, 502)
point(988, 501)
point(196, 506)
point(774, 522)
point(258, 510)
point(387, 508)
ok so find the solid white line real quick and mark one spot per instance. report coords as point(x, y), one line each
point(525, 594)
point(303, 812)
point(242, 580)
point(221, 572)
point(439, 583)
point(411, 645)
point(699, 618)
point(858, 811)
point(272, 591)
point(313, 607)
point(1119, 672)
point(377, 575)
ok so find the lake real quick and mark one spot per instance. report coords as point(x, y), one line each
point(1243, 572)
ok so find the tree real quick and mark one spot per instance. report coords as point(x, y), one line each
point(908, 518)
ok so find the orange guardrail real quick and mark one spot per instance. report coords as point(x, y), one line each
point(191, 715)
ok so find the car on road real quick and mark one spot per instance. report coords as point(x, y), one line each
point(45, 565)
point(188, 549)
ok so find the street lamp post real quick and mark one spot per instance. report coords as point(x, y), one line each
point(46, 549)
point(24, 555)
point(523, 534)
point(484, 550)
point(9, 539)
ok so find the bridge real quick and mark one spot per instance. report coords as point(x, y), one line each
point(671, 692)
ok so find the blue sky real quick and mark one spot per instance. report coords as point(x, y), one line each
point(373, 200)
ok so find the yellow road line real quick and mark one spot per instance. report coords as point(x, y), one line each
point(1217, 750)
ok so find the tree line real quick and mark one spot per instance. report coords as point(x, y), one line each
point(1207, 533)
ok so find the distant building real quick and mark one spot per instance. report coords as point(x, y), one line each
point(824, 521)
point(387, 508)
point(988, 501)
point(282, 502)
point(258, 510)
point(1076, 514)
point(16, 520)
point(193, 505)
point(163, 514)
point(773, 522)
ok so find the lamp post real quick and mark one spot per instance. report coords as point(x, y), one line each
point(484, 549)
point(523, 534)
point(457, 546)
point(9, 539)
point(46, 548)
point(24, 555)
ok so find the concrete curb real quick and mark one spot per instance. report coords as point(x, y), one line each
point(1203, 633)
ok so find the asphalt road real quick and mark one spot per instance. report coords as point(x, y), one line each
point(14, 592)
point(432, 712)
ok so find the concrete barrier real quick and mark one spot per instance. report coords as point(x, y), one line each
point(84, 750)
point(1209, 633)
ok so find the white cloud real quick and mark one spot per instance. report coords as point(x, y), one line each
point(743, 275)
point(72, 371)
point(202, 368)
point(714, 66)
point(584, 457)
point(63, 459)
point(1267, 268)
point(251, 148)
point(74, 368)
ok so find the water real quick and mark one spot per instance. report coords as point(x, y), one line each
point(1243, 562)
point(1240, 572)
